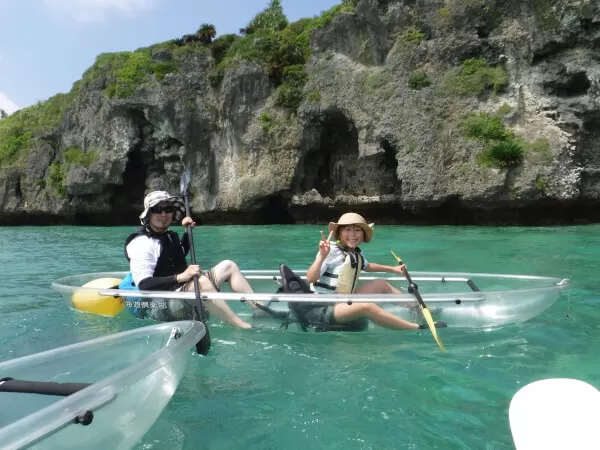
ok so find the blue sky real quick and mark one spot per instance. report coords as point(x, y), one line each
point(46, 45)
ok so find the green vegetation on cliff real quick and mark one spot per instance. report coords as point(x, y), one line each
point(501, 148)
point(12, 143)
point(418, 79)
point(19, 130)
point(56, 179)
point(541, 184)
point(76, 156)
point(125, 71)
point(474, 77)
point(57, 172)
point(485, 127)
point(412, 33)
point(502, 154)
point(281, 48)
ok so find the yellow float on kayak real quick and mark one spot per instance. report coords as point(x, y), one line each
point(88, 300)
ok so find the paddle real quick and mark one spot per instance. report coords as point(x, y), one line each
point(414, 289)
point(555, 413)
point(203, 346)
point(40, 387)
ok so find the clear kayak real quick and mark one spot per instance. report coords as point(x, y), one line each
point(104, 393)
point(465, 300)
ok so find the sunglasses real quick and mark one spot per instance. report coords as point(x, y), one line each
point(161, 209)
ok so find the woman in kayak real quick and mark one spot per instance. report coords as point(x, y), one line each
point(157, 262)
point(336, 269)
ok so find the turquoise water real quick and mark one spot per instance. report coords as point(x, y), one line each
point(275, 389)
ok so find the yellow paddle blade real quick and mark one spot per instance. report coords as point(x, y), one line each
point(429, 319)
point(426, 312)
point(88, 300)
point(398, 259)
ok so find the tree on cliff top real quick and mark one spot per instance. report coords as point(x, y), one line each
point(3, 114)
point(271, 18)
point(206, 33)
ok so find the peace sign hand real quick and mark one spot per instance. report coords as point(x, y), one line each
point(325, 245)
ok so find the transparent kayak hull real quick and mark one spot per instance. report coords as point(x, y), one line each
point(133, 376)
point(465, 300)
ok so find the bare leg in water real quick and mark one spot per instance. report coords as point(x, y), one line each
point(344, 313)
point(219, 308)
point(228, 271)
point(381, 286)
point(224, 271)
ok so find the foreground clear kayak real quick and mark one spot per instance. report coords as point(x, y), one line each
point(466, 300)
point(103, 393)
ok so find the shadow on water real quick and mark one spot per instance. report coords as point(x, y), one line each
point(7, 307)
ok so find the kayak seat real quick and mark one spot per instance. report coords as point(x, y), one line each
point(292, 283)
point(306, 315)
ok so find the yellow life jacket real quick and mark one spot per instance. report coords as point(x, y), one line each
point(343, 278)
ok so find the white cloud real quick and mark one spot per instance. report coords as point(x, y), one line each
point(94, 10)
point(7, 104)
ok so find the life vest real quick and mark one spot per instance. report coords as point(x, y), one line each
point(171, 261)
point(172, 254)
point(344, 277)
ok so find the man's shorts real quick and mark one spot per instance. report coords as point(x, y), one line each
point(171, 310)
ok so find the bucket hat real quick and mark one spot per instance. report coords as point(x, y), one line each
point(156, 197)
point(353, 219)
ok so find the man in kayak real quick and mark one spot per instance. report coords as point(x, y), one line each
point(336, 269)
point(157, 261)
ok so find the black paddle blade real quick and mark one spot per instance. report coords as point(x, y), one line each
point(203, 346)
point(184, 183)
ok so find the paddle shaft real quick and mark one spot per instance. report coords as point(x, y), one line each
point(203, 346)
point(188, 230)
point(40, 387)
point(412, 287)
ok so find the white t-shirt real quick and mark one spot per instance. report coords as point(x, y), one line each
point(143, 253)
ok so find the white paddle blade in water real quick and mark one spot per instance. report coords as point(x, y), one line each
point(184, 182)
point(556, 413)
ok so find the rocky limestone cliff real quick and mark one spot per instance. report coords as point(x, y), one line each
point(380, 127)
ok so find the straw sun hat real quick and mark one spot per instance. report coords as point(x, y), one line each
point(156, 197)
point(353, 219)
